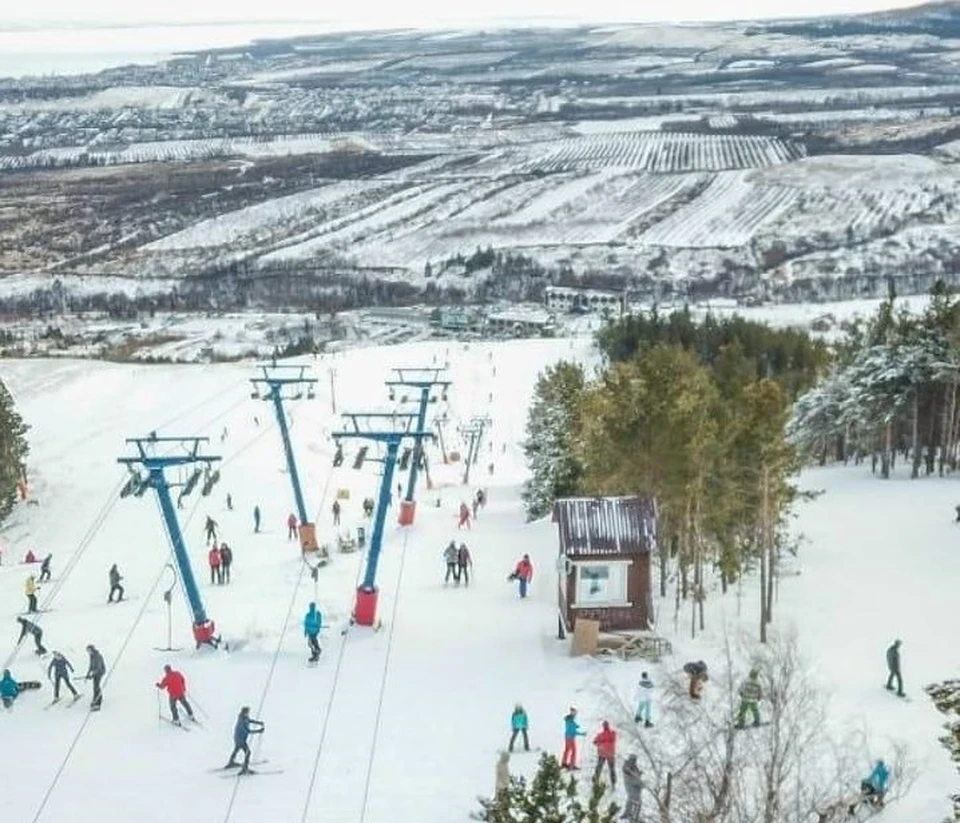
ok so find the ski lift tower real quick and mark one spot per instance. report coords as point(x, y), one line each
point(391, 435)
point(276, 384)
point(474, 431)
point(155, 455)
point(427, 381)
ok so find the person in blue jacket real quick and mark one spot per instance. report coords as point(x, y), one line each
point(571, 731)
point(8, 689)
point(519, 725)
point(874, 788)
point(244, 727)
point(311, 630)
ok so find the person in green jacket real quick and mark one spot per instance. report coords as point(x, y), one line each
point(519, 725)
point(750, 695)
point(8, 689)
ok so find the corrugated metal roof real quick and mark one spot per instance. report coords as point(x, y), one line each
point(606, 526)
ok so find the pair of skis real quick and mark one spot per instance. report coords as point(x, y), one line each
point(56, 700)
point(235, 771)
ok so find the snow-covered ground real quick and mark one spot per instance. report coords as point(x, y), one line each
point(402, 725)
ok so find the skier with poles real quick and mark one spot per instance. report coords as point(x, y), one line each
point(96, 669)
point(312, 623)
point(30, 588)
point(211, 529)
point(45, 569)
point(571, 731)
point(26, 627)
point(59, 672)
point(519, 723)
point(115, 578)
point(176, 686)
point(244, 727)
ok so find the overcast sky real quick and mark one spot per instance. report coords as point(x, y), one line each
point(372, 14)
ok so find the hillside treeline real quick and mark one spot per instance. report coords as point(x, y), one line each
point(13, 452)
point(694, 414)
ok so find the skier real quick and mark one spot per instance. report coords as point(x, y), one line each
point(8, 689)
point(312, 622)
point(481, 498)
point(450, 555)
point(244, 727)
point(893, 665)
point(336, 512)
point(518, 725)
point(229, 502)
point(256, 519)
point(213, 558)
point(571, 731)
point(606, 743)
point(697, 672)
point(226, 561)
point(502, 782)
point(59, 671)
point(30, 589)
point(643, 704)
point(176, 686)
point(464, 519)
point(874, 788)
point(211, 528)
point(750, 694)
point(523, 573)
point(292, 523)
point(115, 578)
point(633, 785)
point(368, 505)
point(463, 561)
point(45, 569)
point(476, 507)
point(96, 669)
point(26, 627)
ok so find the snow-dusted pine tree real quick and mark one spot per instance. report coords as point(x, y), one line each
point(13, 451)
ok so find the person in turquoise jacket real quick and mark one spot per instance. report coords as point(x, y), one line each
point(518, 725)
point(311, 630)
point(8, 689)
point(874, 788)
point(571, 731)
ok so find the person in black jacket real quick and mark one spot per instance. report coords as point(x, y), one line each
point(244, 727)
point(115, 578)
point(59, 670)
point(95, 672)
point(226, 560)
point(893, 665)
point(26, 627)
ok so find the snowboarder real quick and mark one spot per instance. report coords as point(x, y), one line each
point(464, 519)
point(450, 554)
point(115, 578)
point(633, 785)
point(8, 689)
point(211, 529)
point(644, 702)
point(697, 671)
point(336, 512)
point(502, 783)
point(229, 502)
point(26, 627)
point(213, 558)
point(256, 519)
point(292, 524)
point(96, 669)
point(893, 666)
point(45, 569)
point(464, 560)
point(176, 686)
point(312, 622)
point(226, 561)
point(59, 671)
point(30, 589)
point(518, 725)
point(750, 695)
point(571, 731)
point(606, 743)
point(874, 788)
point(523, 573)
point(244, 727)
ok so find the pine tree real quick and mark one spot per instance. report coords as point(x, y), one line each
point(551, 797)
point(13, 451)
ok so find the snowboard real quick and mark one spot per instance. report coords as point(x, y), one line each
point(28, 685)
point(237, 766)
point(252, 773)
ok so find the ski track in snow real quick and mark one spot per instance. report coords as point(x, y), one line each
point(880, 562)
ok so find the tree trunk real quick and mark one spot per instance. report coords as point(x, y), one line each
point(887, 455)
point(764, 571)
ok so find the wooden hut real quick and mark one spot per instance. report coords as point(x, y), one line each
point(605, 548)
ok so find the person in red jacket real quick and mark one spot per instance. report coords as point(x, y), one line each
point(214, 559)
point(523, 573)
point(464, 516)
point(176, 686)
point(292, 524)
point(606, 743)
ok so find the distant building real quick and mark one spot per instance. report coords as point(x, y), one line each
point(584, 301)
point(521, 322)
point(456, 319)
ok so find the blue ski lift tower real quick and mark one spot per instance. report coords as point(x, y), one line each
point(427, 382)
point(276, 384)
point(392, 429)
point(155, 455)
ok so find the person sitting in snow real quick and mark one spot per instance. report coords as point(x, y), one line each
point(874, 788)
point(8, 689)
point(751, 694)
point(697, 672)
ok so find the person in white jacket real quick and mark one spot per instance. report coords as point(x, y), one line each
point(644, 701)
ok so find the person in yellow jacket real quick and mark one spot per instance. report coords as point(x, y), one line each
point(30, 588)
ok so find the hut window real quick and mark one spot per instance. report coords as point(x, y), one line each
point(601, 583)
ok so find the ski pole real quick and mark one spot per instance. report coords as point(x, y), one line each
point(193, 700)
point(159, 711)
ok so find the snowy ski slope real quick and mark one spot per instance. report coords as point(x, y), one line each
point(403, 725)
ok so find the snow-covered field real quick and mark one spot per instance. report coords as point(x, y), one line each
point(403, 725)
